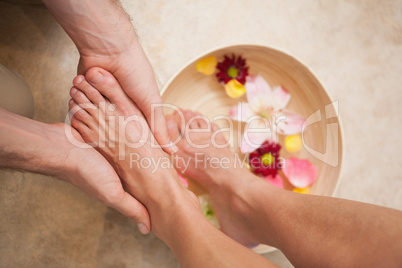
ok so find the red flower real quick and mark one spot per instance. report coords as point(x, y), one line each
point(265, 160)
point(232, 68)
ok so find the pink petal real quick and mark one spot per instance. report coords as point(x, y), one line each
point(259, 93)
point(183, 180)
point(288, 123)
point(241, 112)
point(281, 97)
point(275, 181)
point(255, 133)
point(300, 172)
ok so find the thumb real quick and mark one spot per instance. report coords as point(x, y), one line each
point(132, 208)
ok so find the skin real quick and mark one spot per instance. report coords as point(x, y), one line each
point(43, 148)
point(175, 211)
point(105, 37)
point(312, 231)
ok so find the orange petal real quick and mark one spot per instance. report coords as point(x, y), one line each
point(234, 88)
point(293, 143)
point(302, 190)
point(207, 65)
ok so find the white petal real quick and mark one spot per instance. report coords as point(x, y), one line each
point(259, 93)
point(281, 97)
point(288, 123)
point(241, 112)
point(255, 133)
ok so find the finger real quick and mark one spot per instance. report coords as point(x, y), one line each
point(157, 123)
point(146, 96)
point(132, 208)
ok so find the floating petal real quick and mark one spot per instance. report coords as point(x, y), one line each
point(302, 190)
point(281, 97)
point(293, 143)
point(183, 180)
point(259, 93)
point(288, 123)
point(255, 133)
point(241, 112)
point(207, 65)
point(300, 172)
point(275, 181)
point(234, 88)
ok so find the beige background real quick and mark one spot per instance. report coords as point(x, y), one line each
point(353, 47)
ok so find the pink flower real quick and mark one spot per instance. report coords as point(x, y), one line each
point(264, 114)
point(300, 172)
point(183, 180)
point(275, 181)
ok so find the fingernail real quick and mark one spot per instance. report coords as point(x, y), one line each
point(73, 91)
point(173, 147)
point(78, 80)
point(96, 78)
point(143, 229)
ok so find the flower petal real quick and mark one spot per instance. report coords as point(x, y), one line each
point(207, 65)
point(259, 93)
point(241, 112)
point(234, 88)
point(183, 180)
point(300, 172)
point(288, 123)
point(281, 97)
point(275, 181)
point(255, 133)
point(293, 143)
point(302, 190)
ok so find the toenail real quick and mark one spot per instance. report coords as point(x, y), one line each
point(78, 79)
point(173, 147)
point(73, 91)
point(111, 107)
point(96, 78)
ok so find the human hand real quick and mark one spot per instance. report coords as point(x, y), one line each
point(90, 171)
point(105, 38)
point(110, 121)
point(131, 68)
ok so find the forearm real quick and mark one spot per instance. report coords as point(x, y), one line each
point(321, 231)
point(177, 219)
point(26, 145)
point(197, 243)
point(96, 27)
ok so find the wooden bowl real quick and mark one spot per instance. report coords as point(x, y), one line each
point(189, 89)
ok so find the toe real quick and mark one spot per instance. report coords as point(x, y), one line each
point(196, 120)
point(92, 94)
point(81, 99)
point(173, 128)
point(76, 113)
point(178, 116)
point(79, 125)
point(108, 86)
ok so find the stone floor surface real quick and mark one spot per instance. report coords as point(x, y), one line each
point(354, 47)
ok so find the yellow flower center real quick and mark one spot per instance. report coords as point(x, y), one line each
point(265, 114)
point(232, 72)
point(267, 159)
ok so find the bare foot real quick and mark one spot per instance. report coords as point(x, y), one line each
point(217, 169)
point(44, 148)
point(108, 119)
